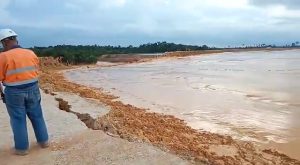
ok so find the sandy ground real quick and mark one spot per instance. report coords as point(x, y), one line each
point(73, 143)
point(58, 123)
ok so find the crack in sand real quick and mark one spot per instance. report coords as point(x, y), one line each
point(87, 119)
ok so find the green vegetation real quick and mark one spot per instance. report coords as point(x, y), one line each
point(89, 54)
point(86, 54)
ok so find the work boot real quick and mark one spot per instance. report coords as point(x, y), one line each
point(44, 145)
point(21, 152)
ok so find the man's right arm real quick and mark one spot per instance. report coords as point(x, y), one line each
point(2, 75)
point(3, 62)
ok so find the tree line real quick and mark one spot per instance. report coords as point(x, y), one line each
point(89, 54)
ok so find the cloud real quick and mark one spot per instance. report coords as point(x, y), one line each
point(4, 14)
point(292, 4)
point(139, 21)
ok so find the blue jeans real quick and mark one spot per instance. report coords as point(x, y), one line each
point(22, 102)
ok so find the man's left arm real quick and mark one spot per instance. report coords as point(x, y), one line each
point(2, 93)
point(1, 90)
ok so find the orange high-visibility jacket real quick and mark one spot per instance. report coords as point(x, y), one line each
point(18, 67)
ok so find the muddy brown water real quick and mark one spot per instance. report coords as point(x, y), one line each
point(252, 96)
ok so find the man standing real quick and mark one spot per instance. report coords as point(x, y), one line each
point(19, 75)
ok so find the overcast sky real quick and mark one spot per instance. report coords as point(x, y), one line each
point(125, 22)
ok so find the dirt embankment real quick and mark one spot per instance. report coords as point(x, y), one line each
point(191, 53)
point(164, 131)
point(126, 58)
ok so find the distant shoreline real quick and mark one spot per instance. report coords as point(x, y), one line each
point(141, 57)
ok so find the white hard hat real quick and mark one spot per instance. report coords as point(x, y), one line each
point(5, 33)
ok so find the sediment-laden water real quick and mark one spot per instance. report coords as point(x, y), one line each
point(253, 96)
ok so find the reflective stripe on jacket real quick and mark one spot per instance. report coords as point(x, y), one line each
point(18, 67)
